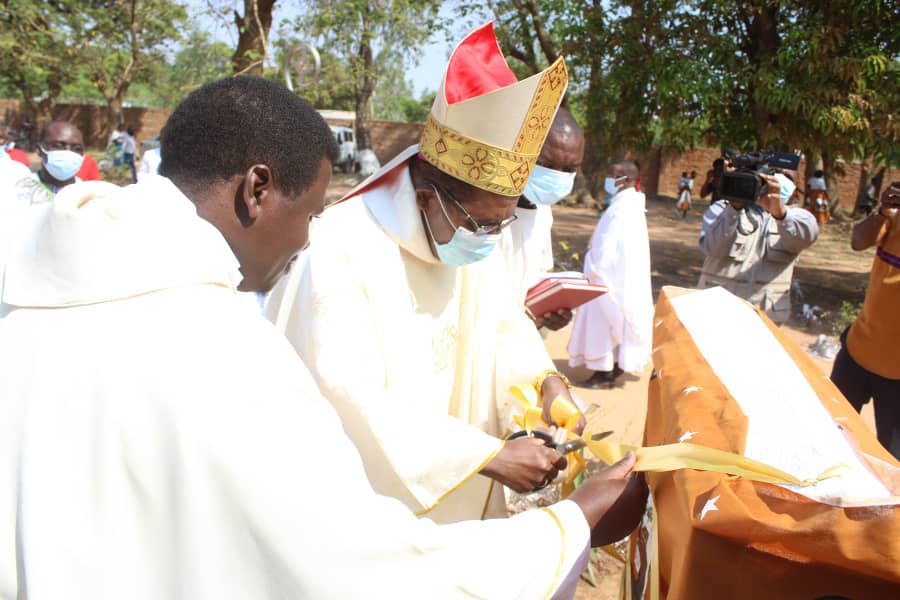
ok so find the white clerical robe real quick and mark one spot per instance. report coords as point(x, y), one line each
point(527, 249)
point(416, 356)
point(159, 439)
point(616, 327)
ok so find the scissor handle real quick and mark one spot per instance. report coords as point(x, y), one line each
point(548, 439)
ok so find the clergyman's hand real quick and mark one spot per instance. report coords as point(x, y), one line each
point(613, 501)
point(554, 321)
point(525, 465)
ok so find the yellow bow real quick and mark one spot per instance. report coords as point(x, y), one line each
point(564, 414)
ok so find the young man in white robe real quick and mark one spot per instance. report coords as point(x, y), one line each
point(158, 439)
point(403, 312)
point(613, 334)
point(528, 249)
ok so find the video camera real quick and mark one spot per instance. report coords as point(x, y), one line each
point(744, 184)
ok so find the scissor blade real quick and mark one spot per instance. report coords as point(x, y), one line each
point(601, 436)
point(571, 446)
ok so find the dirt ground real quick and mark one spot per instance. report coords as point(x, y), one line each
point(828, 274)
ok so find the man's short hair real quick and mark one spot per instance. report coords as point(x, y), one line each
point(223, 128)
point(43, 134)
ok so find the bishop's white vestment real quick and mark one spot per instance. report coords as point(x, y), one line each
point(158, 439)
point(416, 356)
point(616, 327)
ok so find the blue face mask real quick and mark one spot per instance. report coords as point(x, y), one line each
point(465, 247)
point(548, 186)
point(62, 164)
point(787, 187)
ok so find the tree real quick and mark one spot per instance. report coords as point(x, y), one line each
point(818, 76)
point(253, 37)
point(355, 29)
point(38, 46)
point(125, 37)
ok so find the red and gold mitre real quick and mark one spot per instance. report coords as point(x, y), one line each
point(487, 128)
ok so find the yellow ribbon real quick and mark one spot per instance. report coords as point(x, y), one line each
point(671, 457)
point(564, 414)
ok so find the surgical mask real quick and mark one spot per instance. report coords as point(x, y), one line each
point(609, 184)
point(465, 247)
point(548, 186)
point(787, 187)
point(62, 164)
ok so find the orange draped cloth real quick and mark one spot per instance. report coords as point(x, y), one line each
point(764, 540)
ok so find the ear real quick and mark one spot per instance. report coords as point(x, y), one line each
point(257, 191)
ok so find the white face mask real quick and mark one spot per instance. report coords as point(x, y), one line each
point(62, 164)
point(548, 186)
point(609, 184)
point(787, 187)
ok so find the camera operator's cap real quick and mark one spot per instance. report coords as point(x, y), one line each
point(486, 128)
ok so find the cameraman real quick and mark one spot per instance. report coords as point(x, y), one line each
point(868, 365)
point(757, 265)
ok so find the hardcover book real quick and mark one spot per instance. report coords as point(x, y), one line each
point(555, 293)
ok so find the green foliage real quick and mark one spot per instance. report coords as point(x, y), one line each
point(845, 317)
point(372, 40)
point(789, 74)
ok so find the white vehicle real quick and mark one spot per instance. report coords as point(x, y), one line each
point(347, 145)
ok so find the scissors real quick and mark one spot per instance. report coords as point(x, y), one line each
point(562, 447)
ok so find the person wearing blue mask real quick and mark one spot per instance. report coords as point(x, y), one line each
point(528, 249)
point(402, 308)
point(61, 149)
point(756, 263)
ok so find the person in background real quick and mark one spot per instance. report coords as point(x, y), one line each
point(612, 334)
point(751, 251)
point(711, 185)
point(868, 364)
point(61, 149)
point(9, 146)
point(528, 248)
point(129, 146)
point(114, 144)
point(867, 203)
point(817, 197)
point(685, 189)
point(11, 170)
point(149, 163)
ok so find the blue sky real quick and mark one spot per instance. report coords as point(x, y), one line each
point(425, 76)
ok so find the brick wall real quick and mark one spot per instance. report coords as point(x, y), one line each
point(670, 165)
point(91, 119)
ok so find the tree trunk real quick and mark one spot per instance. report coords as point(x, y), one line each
point(764, 42)
point(365, 85)
point(114, 114)
point(834, 195)
point(253, 33)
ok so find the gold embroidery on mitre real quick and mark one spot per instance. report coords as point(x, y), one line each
point(543, 108)
point(485, 166)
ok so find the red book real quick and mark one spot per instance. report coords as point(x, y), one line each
point(556, 293)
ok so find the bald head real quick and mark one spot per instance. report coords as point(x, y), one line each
point(627, 169)
point(563, 149)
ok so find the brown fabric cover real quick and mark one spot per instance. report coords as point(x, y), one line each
point(764, 541)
